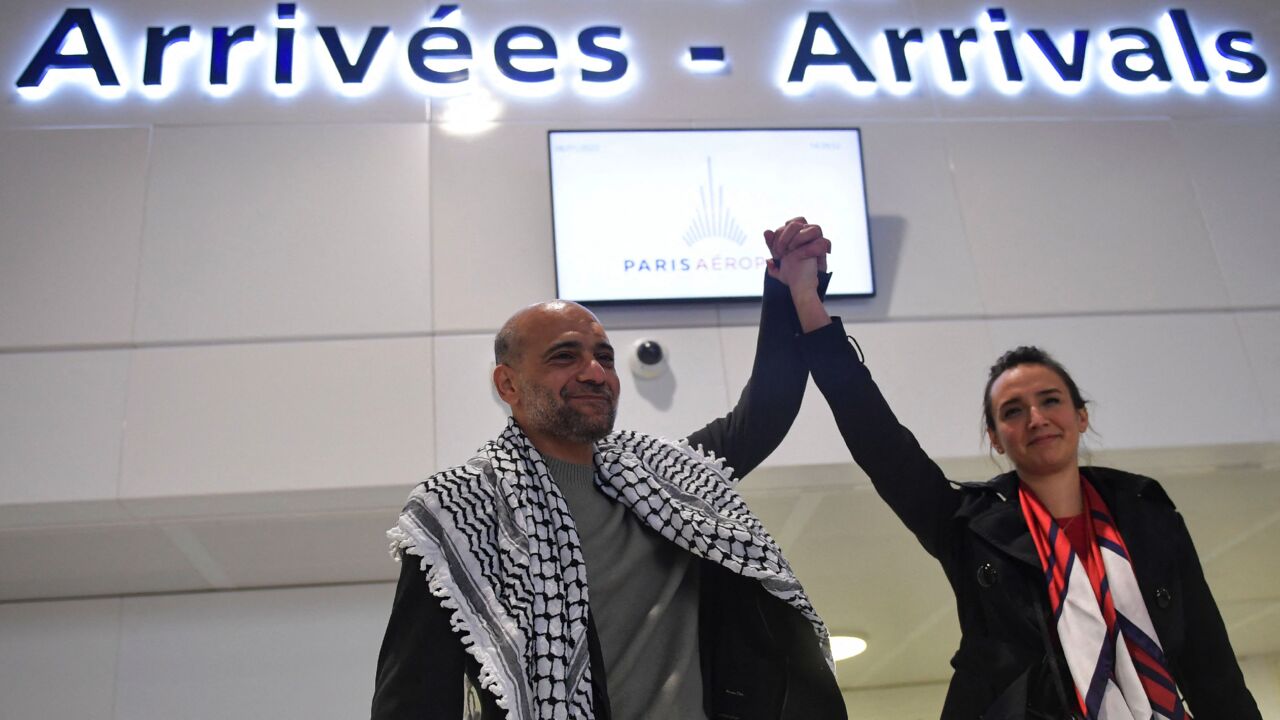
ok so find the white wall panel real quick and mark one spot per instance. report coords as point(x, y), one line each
point(58, 660)
point(813, 438)
point(71, 207)
point(468, 411)
point(1156, 381)
point(302, 653)
point(490, 226)
point(79, 561)
point(284, 416)
point(923, 263)
point(1082, 217)
point(338, 547)
point(275, 231)
point(931, 373)
point(648, 316)
point(61, 423)
point(1261, 334)
point(1235, 167)
point(687, 396)
point(72, 513)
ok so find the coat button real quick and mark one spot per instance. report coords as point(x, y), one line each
point(1164, 598)
point(987, 575)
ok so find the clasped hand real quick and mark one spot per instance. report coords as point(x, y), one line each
point(799, 253)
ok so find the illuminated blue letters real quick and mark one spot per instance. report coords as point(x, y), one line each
point(419, 52)
point(220, 56)
point(1257, 66)
point(503, 53)
point(158, 40)
point(845, 54)
point(1004, 40)
point(1151, 50)
point(952, 42)
point(284, 44)
point(1070, 71)
point(1128, 59)
point(1187, 37)
point(898, 51)
point(48, 56)
point(349, 71)
point(588, 47)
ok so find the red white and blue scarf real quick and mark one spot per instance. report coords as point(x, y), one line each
point(1116, 661)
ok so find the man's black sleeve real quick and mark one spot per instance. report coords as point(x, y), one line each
point(770, 401)
point(421, 664)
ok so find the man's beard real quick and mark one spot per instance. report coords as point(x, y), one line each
point(557, 417)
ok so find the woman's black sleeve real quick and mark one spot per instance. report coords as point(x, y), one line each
point(902, 473)
point(1208, 674)
point(421, 664)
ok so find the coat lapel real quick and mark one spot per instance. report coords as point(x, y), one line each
point(998, 520)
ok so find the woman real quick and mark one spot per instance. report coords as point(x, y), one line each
point(1030, 552)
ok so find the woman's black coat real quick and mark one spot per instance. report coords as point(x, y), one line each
point(1009, 665)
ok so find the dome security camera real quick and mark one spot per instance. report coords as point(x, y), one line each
point(648, 359)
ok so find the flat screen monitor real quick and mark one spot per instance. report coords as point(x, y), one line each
point(667, 215)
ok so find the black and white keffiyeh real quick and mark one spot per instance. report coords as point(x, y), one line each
point(500, 549)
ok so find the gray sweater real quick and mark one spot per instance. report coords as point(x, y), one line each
point(644, 598)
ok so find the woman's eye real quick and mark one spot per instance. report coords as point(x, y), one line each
point(1052, 401)
point(1011, 412)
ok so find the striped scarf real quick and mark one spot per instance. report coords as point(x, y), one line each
point(1115, 658)
point(501, 551)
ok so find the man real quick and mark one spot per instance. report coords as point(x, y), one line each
point(568, 571)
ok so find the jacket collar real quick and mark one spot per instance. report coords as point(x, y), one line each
point(999, 521)
point(996, 515)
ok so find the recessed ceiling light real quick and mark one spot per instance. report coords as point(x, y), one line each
point(844, 647)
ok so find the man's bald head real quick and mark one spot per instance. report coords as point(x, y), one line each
point(508, 344)
point(555, 369)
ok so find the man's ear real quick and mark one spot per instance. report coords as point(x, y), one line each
point(995, 441)
point(504, 381)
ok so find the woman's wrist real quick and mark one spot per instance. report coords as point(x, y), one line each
point(809, 309)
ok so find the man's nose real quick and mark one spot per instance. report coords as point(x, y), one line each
point(592, 372)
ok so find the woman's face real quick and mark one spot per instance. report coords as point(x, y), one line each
point(1036, 424)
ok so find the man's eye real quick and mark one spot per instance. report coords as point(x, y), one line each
point(605, 360)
